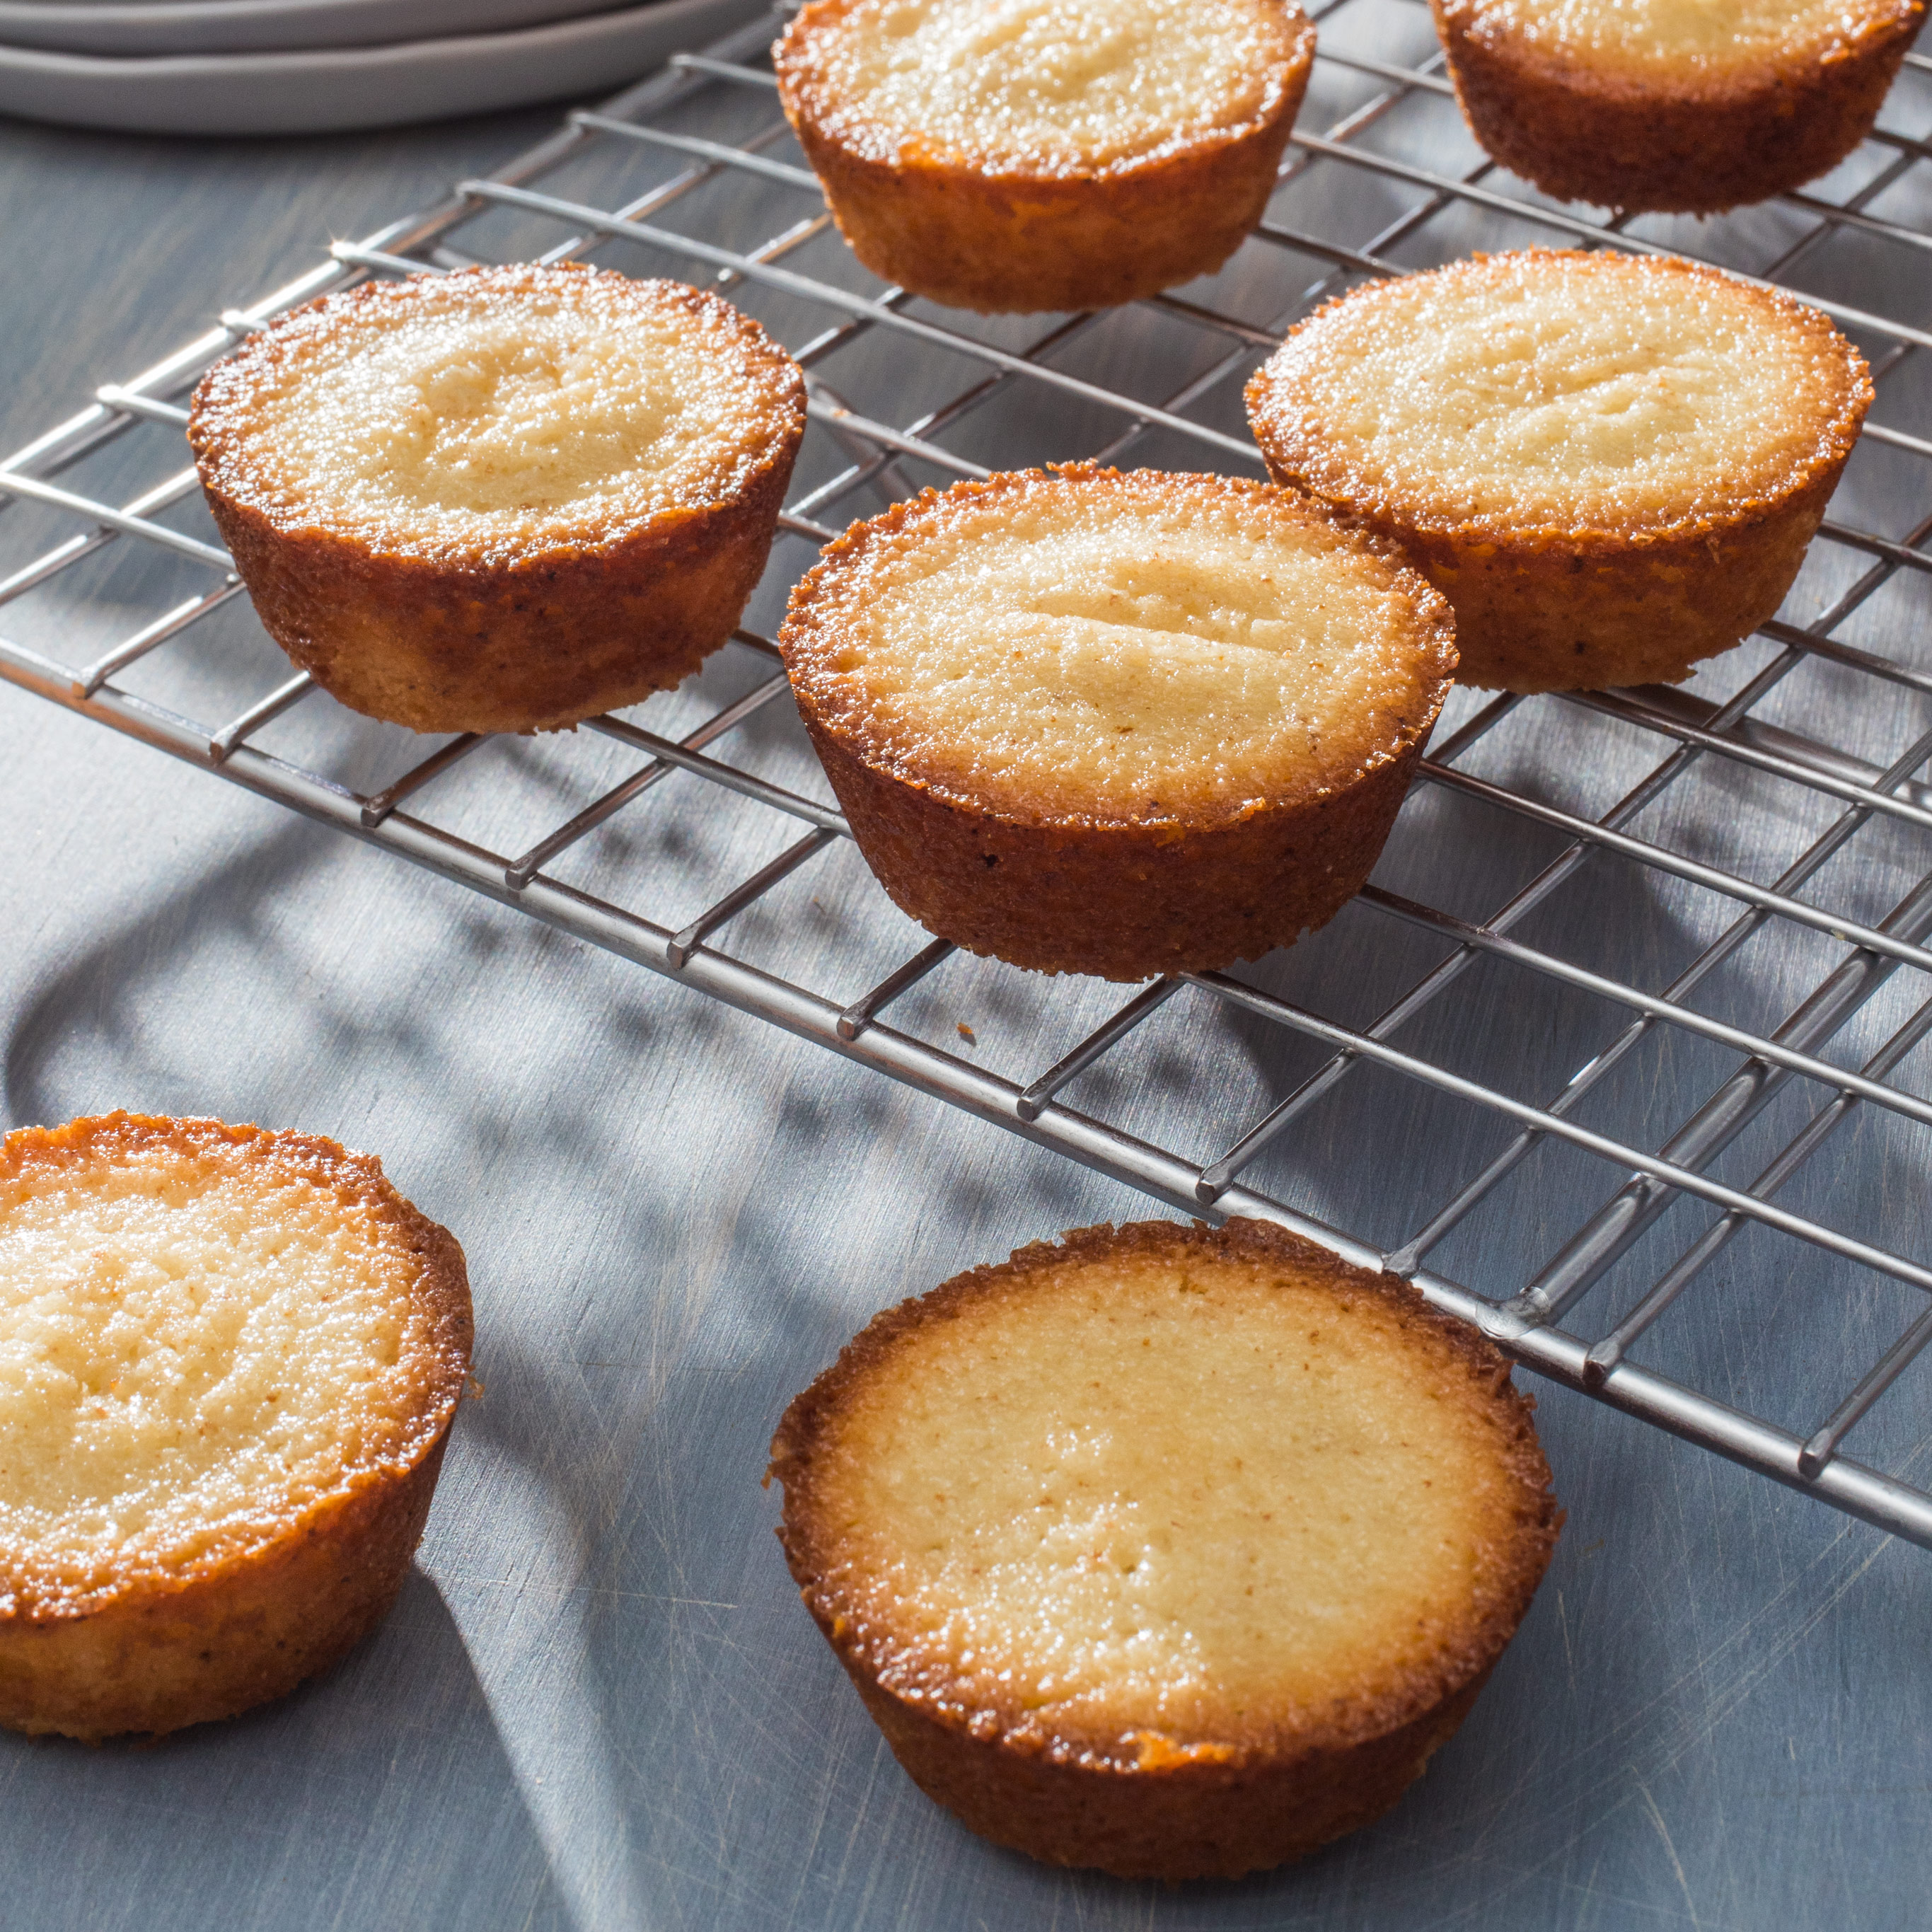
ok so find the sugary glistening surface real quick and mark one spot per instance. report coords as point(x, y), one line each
point(1036, 85)
point(1127, 648)
point(191, 1345)
point(1590, 389)
point(1195, 1499)
point(1683, 40)
point(476, 414)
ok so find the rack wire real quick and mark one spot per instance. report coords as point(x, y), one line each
point(1719, 890)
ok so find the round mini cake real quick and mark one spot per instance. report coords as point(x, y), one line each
point(503, 499)
point(1119, 723)
point(1173, 1552)
point(1685, 106)
point(1033, 155)
point(228, 1359)
point(1611, 465)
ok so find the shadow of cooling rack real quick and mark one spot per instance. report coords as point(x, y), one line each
point(1640, 976)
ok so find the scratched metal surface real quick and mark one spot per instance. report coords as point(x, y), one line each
point(598, 1703)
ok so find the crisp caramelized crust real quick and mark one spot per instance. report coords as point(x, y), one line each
point(1092, 722)
point(1610, 464)
point(503, 498)
point(1113, 647)
point(1031, 154)
point(498, 412)
point(1126, 1537)
point(1560, 395)
point(228, 1359)
point(1033, 87)
point(1671, 40)
point(1693, 105)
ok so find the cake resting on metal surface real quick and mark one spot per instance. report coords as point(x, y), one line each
point(229, 1361)
point(1611, 465)
point(503, 500)
point(1175, 1551)
point(1121, 725)
point(1675, 105)
point(1034, 156)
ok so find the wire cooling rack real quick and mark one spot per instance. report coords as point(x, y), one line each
point(1686, 929)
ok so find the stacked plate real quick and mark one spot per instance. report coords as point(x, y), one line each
point(304, 66)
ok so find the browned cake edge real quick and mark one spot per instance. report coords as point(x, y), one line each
point(1595, 617)
point(153, 1651)
point(531, 643)
point(1545, 609)
point(1123, 903)
point(1074, 894)
point(1695, 146)
point(942, 227)
point(1186, 1813)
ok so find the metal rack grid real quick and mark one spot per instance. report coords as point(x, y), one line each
point(1704, 782)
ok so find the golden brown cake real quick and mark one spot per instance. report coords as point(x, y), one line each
point(1684, 106)
point(503, 499)
point(1119, 723)
point(228, 1359)
point(1027, 154)
point(1610, 464)
point(1167, 1550)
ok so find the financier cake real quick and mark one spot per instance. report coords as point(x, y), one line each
point(228, 1359)
point(1684, 106)
point(1610, 464)
point(503, 499)
point(1172, 1552)
point(1125, 724)
point(1028, 154)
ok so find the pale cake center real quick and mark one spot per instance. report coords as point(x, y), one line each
point(1177, 1499)
point(1041, 83)
point(1671, 36)
point(1081, 648)
point(1582, 388)
point(187, 1348)
point(479, 416)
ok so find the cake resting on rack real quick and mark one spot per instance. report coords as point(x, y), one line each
point(1125, 724)
point(228, 1361)
point(1170, 1551)
point(1680, 105)
point(1027, 155)
point(1610, 464)
point(503, 499)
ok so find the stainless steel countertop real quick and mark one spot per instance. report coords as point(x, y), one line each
point(598, 1703)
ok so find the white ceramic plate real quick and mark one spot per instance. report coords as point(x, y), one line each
point(333, 89)
point(247, 26)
